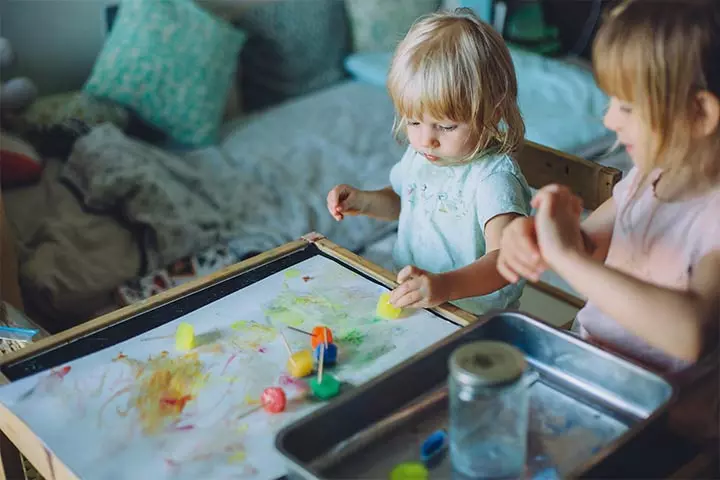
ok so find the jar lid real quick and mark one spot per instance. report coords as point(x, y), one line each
point(487, 363)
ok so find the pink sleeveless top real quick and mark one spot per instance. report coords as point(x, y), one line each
point(657, 242)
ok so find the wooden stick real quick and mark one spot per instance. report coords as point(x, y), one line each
point(287, 346)
point(322, 362)
point(299, 331)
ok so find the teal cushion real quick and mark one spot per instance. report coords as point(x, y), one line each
point(172, 63)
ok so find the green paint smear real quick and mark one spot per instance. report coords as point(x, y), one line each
point(358, 358)
point(292, 273)
point(240, 325)
point(285, 316)
point(353, 337)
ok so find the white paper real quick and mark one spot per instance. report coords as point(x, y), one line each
point(141, 409)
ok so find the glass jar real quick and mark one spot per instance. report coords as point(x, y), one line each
point(489, 408)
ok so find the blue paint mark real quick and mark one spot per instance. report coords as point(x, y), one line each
point(433, 448)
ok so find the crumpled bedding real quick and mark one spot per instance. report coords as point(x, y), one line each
point(183, 202)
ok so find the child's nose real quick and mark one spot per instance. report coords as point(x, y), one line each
point(429, 140)
point(611, 120)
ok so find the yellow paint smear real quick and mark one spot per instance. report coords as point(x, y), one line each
point(165, 386)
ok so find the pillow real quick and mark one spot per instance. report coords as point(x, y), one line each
point(294, 47)
point(172, 63)
point(379, 25)
point(20, 164)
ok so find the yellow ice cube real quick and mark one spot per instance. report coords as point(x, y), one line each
point(300, 364)
point(385, 309)
point(184, 337)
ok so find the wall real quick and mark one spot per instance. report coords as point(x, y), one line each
point(56, 41)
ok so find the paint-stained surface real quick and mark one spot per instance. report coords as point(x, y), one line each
point(142, 409)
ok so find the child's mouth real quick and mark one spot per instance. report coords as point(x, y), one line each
point(432, 158)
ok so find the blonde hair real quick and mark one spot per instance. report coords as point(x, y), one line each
point(657, 55)
point(452, 65)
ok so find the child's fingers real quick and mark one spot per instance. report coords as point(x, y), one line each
point(522, 269)
point(411, 299)
point(506, 272)
point(408, 292)
point(334, 202)
point(407, 273)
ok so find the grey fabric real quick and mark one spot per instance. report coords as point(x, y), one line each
point(185, 202)
point(294, 47)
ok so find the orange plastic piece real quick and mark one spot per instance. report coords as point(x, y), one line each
point(320, 335)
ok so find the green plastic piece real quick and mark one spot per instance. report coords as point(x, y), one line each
point(330, 387)
point(409, 471)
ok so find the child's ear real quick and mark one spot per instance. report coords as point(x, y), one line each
point(708, 113)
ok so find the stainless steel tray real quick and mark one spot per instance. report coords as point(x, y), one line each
point(585, 405)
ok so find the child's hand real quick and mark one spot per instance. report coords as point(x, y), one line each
point(418, 289)
point(519, 252)
point(557, 223)
point(344, 200)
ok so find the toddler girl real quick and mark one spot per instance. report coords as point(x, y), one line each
point(648, 259)
point(454, 89)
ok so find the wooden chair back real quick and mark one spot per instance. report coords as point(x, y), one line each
point(590, 181)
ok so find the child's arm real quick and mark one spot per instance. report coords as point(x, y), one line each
point(421, 289)
point(597, 229)
point(520, 257)
point(346, 200)
point(677, 322)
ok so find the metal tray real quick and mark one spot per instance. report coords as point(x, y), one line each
point(585, 404)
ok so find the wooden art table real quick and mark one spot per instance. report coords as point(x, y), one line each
point(113, 398)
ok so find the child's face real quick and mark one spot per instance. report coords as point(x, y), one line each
point(441, 141)
point(624, 120)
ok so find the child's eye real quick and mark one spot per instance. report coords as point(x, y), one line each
point(413, 123)
point(447, 128)
point(625, 108)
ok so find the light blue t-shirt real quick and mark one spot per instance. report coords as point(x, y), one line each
point(443, 214)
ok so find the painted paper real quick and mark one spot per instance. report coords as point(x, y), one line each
point(141, 409)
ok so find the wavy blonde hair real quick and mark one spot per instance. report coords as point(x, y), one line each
point(453, 65)
point(658, 55)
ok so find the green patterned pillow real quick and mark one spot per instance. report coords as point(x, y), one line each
point(172, 63)
point(379, 25)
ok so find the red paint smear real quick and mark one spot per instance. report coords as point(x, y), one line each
point(262, 350)
point(178, 403)
point(286, 380)
point(171, 463)
point(232, 357)
point(121, 356)
point(185, 427)
point(62, 372)
point(306, 279)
